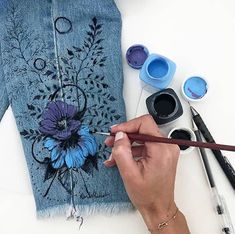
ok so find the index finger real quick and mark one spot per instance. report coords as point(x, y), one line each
point(144, 125)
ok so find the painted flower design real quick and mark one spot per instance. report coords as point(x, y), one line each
point(68, 141)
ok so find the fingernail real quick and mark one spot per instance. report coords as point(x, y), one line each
point(119, 136)
point(106, 140)
point(109, 164)
point(109, 159)
point(113, 126)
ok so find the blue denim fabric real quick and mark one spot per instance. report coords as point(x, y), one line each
point(61, 72)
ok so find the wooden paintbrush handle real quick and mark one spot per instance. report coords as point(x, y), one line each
point(148, 138)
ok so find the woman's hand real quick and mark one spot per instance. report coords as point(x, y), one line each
point(148, 170)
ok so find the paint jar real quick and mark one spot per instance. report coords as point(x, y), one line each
point(164, 106)
point(136, 55)
point(183, 133)
point(158, 71)
point(195, 88)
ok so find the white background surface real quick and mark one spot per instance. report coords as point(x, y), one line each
point(199, 36)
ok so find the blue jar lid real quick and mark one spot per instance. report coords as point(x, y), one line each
point(136, 55)
point(195, 88)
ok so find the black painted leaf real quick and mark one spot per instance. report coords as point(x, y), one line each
point(98, 32)
point(65, 61)
point(112, 99)
point(31, 107)
point(117, 117)
point(70, 52)
point(37, 97)
point(24, 133)
point(90, 34)
point(55, 86)
point(112, 111)
point(48, 73)
point(103, 59)
point(86, 45)
point(41, 90)
point(64, 179)
point(94, 20)
point(91, 27)
point(54, 77)
point(105, 85)
point(50, 172)
point(90, 164)
point(99, 26)
point(48, 88)
point(98, 41)
point(39, 138)
point(77, 49)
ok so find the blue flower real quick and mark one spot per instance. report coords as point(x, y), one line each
point(73, 151)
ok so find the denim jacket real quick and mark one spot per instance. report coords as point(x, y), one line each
point(61, 72)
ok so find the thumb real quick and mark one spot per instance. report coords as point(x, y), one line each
point(123, 157)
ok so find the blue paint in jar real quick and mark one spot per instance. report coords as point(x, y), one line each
point(158, 68)
point(195, 87)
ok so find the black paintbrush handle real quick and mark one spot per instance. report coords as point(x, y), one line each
point(225, 165)
point(205, 161)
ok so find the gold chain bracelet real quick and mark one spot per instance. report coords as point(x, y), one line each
point(162, 225)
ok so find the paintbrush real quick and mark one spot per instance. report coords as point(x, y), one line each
point(148, 138)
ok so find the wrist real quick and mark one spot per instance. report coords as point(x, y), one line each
point(155, 215)
point(176, 222)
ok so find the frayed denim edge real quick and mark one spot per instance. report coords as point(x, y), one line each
point(86, 210)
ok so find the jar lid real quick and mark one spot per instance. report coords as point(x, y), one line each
point(194, 88)
point(136, 55)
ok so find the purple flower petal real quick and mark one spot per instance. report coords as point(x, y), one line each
point(63, 135)
point(73, 125)
point(72, 110)
point(54, 109)
point(50, 124)
point(45, 131)
point(48, 115)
